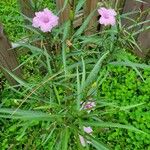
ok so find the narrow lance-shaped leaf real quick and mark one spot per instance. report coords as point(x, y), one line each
point(49, 136)
point(26, 114)
point(130, 64)
point(66, 30)
point(79, 5)
point(20, 81)
point(97, 144)
point(65, 140)
point(64, 58)
point(91, 77)
point(78, 90)
point(84, 25)
point(112, 125)
point(83, 72)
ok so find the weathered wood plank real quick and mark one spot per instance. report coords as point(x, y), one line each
point(78, 19)
point(89, 7)
point(26, 9)
point(8, 58)
point(131, 6)
point(64, 14)
point(144, 40)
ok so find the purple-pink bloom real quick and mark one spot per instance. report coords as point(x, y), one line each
point(45, 20)
point(89, 105)
point(107, 16)
point(82, 141)
point(88, 130)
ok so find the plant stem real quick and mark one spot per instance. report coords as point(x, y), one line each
point(72, 4)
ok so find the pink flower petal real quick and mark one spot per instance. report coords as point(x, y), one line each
point(45, 19)
point(112, 12)
point(88, 130)
point(107, 16)
point(102, 11)
point(47, 11)
point(112, 21)
point(35, 22)
point(82, 140)
point(39, 14)
point(46, 28)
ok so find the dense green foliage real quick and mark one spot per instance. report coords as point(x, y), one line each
point(121, 88)
point(11, 19)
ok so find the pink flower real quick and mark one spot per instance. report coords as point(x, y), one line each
point(107, 16)
point(88, 106)
point(82, 141)
point(88, 130)
point(45, 20)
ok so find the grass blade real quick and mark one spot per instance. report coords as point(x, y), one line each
point(94, 72)
point(78, 90)
point(112, 125)
point(65, 139)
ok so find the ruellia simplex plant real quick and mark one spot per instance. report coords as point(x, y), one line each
point(70, 66)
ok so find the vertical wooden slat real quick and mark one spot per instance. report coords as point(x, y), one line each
point(120, 5)
point(131, 6)
point(64, 14)
point(88, 8)
point(8, 58)
point(78, 19)
point(144, 40)
point(26, 9)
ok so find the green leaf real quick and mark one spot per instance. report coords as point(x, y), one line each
point(83, 72)
point(138, 24)
point(27, 60)
point(65, 139)
point(84, 25)
point(66, 30)
point(57, 94)
point(25, 114)
point(30, 28)
point(49, 136)
point(64, 6)
point(141, 1)
point(138, 72)
point(78, 90)
point(97, 144)
point(64, 47)
point(19, 80)
point(130, 106)
point(91, 39)
point(133, 65)
point(47, 61)
point(112, 125)
point(130, 64)
point(93, 74)
point(32, 48)
point(79, 5)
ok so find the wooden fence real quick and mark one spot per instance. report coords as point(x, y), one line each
point(8, 57)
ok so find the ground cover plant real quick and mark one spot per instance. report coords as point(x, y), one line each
point(77, 91)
